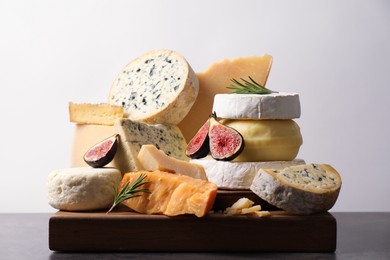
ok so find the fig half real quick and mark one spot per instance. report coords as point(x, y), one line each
point(198, 147)
point(102, 153)
point(226, 143)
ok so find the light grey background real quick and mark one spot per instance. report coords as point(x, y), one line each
point(336, 54)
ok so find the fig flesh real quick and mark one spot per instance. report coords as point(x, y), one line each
point(226, 143)
point(198, 147)
point(102, 153)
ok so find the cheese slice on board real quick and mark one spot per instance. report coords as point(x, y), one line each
point(251, 106)
point(238, 175)
point(98, 114)
point(171, 194)
point(132, 135)
point(153, 159)
point(302, 189)
point(215, 80)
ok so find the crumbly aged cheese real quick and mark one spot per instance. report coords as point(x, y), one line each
point(171, 194)
point(251, 106)
point(84, 137)
point(215, 80)
point(132, 135)
point(238, 175)
point(153, 159)
point(302, 189)
point(83, 188)
point(98, 114)
point(244, 206)
point(159, 87)
point(267, 140)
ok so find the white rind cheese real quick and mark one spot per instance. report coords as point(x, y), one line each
point(159, 87)
point(132, 135)
point(82, 188)
point(303, 189)
point(237, 175)
point(251, 106)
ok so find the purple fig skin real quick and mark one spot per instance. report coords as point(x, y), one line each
point(199, 147)
point(102, 153)
point(231, 146)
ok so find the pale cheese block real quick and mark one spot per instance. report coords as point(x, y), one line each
point(215, 80)
point(267, 140)
point(171, 194)
point(252, 106)
point(238, 175)
point(82, 188)
point(302, 189)
point(98, 114)
point(133, 135)
point(153, 159)
point(159, 87)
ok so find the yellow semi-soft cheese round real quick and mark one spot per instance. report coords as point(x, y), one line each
point(267, 140)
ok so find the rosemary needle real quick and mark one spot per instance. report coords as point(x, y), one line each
point(248, 87)
point(129, 191)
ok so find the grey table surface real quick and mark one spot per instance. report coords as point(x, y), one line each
point(359, 236)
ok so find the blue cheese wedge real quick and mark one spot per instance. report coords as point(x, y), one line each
point(132, 135)
point(159, 87)
point(302, 189)
point(252, 106)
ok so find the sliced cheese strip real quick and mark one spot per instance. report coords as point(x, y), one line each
point(98, 114)
point(238, 175)
point(82, 188)
point(153, 159)
point(171, 194)
point(267, 140)
point(132, 135)
point(251, 106)
point(302, 189)
point(159, 87)
point(215, 80)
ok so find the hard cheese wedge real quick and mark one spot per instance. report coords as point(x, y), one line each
point(153, 159)
point(99, 114)
point(171, 194)
point(215, 80)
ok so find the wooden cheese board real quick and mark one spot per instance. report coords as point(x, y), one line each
point(125, 230)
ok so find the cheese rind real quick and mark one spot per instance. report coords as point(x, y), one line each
point(251, 106)
point(238, 175)
point(132, 135)
point(98, 114)
point(215, 80)
point(159, 87)
point(171, 194)
point(153, 159)
point(267, 140)
point(82, 188)
point(302, 189)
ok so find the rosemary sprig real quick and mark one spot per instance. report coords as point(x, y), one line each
point(129, 191)
point(248, 87)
